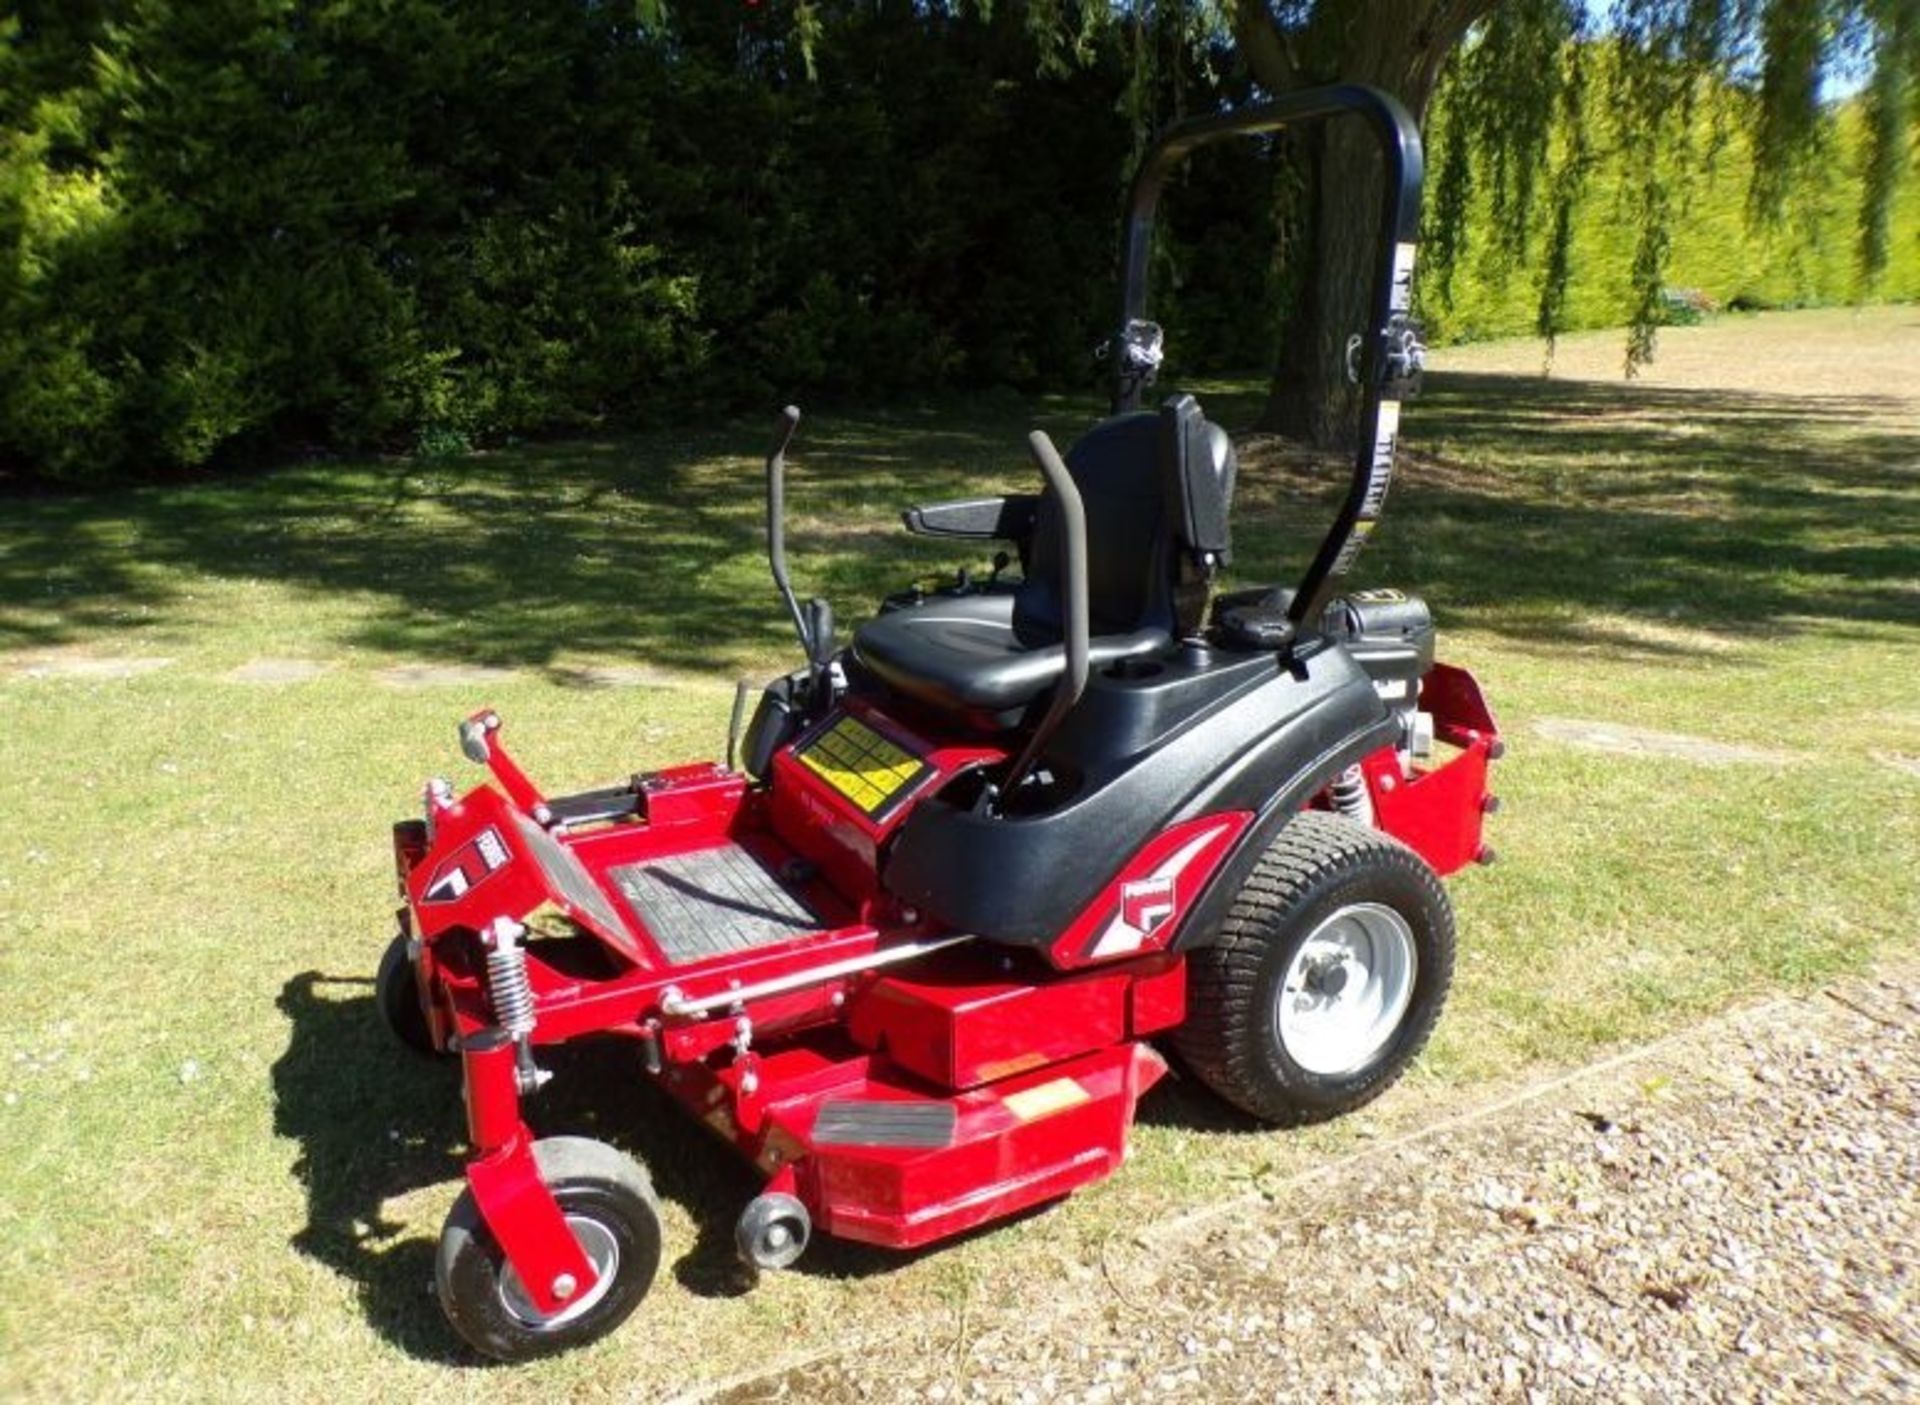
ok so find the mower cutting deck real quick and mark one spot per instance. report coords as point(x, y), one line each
point(908, 948)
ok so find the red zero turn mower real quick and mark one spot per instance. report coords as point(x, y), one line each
point(910, 948)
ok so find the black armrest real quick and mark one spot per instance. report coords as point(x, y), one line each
point(1007, 519)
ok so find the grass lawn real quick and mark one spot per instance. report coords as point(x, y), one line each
point(219, 1179)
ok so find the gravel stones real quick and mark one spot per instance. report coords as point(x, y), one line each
point(1734, 1217)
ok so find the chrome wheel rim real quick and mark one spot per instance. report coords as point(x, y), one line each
point(1347, 989)
point(596, 1241)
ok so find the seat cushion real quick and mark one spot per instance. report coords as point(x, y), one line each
point(962, 653)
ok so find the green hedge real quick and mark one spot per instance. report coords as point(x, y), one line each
point(237, 228)
point(228, 226)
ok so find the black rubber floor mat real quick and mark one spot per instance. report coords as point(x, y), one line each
point(859, 1122)
point(711, 902)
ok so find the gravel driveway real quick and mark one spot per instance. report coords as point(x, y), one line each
point(1732, 1214)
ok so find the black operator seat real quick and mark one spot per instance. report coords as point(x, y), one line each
point(1148, 481)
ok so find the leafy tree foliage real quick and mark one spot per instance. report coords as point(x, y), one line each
point(1571, 264)
point(1662, 92)
point(1525, 121)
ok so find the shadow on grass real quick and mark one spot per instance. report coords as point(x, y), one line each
point(1529, 506)
point(1182, 1101)
point(652, 548)
point(376, 1122)
point(1559, 512)
point(373, 1123)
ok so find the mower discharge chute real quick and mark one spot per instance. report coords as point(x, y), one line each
point(910, 953)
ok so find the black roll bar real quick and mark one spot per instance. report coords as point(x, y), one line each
point(1404, 168)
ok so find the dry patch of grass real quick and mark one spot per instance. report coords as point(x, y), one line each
point(1830, 352)
point(82, 663)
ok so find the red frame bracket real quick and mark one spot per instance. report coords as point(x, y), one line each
point(514, 1201)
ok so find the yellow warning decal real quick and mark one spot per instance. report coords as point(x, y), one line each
point(1046, 1099)
point(862, 765)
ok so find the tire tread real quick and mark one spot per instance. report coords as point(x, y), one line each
point(1218, 1039)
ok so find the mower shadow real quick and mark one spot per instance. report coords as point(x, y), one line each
point(375, 1123)
point(1182, 1102)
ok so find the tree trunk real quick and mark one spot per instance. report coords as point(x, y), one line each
point(1397, 45)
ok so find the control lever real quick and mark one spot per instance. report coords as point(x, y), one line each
point(819, 631)
point(777, 527)
point(1072, 585)
point(741, 692)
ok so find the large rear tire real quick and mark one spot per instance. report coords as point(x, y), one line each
point(1324, 979)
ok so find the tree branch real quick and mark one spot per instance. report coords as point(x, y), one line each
point(1258, 36)
point(1441, 35)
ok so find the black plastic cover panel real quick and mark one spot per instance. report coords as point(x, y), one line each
point(1148, 751)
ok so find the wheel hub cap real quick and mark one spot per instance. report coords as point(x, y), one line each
point(596, 1241)
point(1347, 989)
point(1328, 979)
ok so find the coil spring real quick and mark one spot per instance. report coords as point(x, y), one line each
point(1351, 797)
point(507, 984)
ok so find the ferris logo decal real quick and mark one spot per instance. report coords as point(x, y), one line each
point(1146, 903)
point(467, 867)
point(1150, 903)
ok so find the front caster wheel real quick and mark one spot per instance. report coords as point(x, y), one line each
point(611, 1208)
point(396, 992)
point(1326, 977)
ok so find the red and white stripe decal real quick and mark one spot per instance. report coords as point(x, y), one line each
point(1140, 910)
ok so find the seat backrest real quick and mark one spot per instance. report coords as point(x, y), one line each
point(1157, 488)
point(1198, 460)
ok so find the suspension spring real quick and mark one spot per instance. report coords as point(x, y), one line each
point(507, 983)
point(1351, 796)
